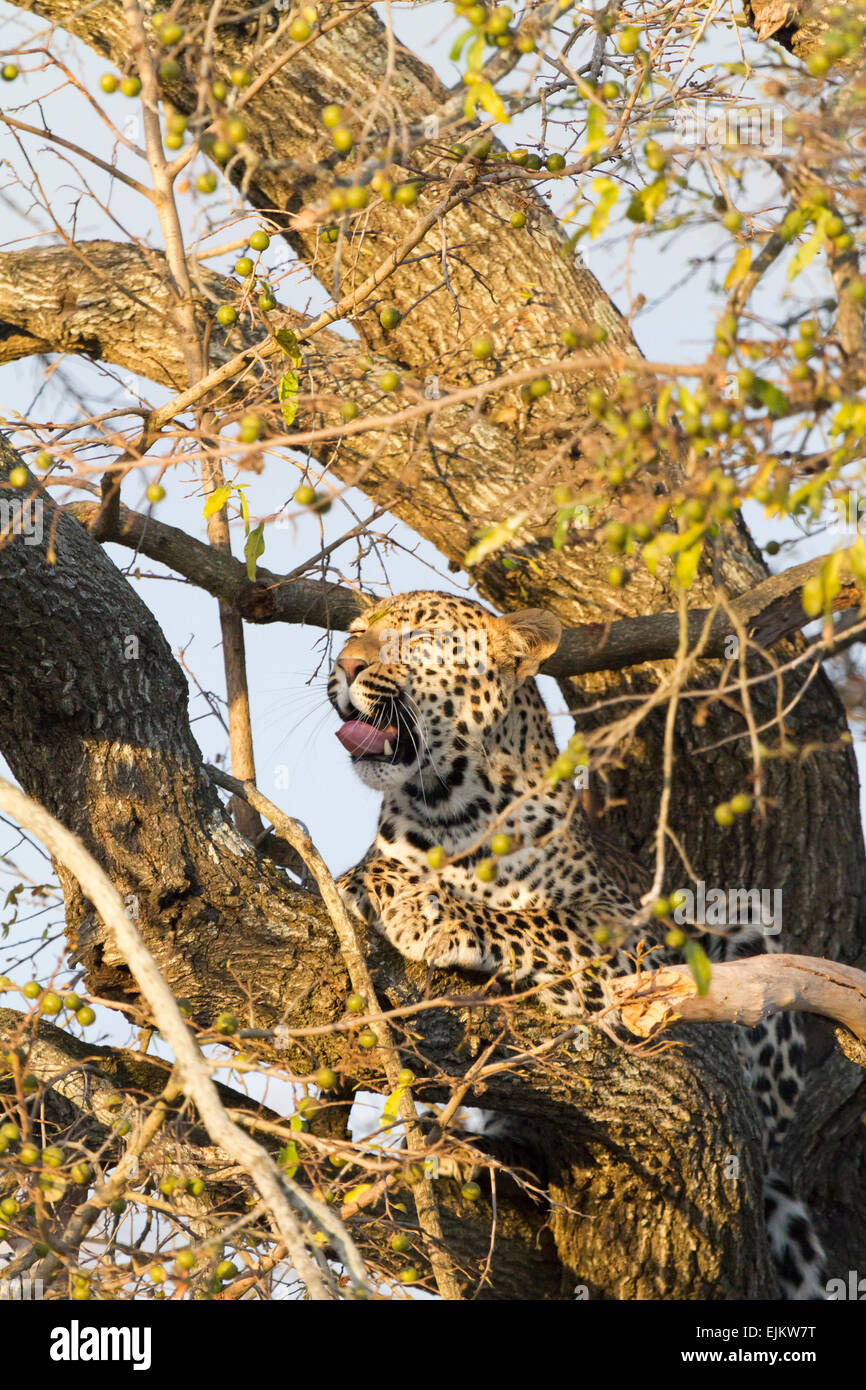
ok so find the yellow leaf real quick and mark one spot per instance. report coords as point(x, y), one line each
point(217, 500)
point(740, 269)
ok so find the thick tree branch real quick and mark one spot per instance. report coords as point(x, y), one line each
point(769, 612)
point(746, 992)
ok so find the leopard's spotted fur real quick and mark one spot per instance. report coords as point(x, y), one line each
point(469, 755)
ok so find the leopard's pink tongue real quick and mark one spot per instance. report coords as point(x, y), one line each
point(358, 737)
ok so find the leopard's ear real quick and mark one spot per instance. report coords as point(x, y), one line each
point(533, 635)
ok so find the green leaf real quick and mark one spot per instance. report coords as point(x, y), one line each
point(254, 548)
point(217, 500)
point(287, 393)
point(699, 964)
point(288, 1159)
point(806, 253)
point(475, 56)
point(596, 135)
point(608, 193)
point(493, 538)
point(774, 401)
point(687, 565)
point(459, 44)
point(290, 345)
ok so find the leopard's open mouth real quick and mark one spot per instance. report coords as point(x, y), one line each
point(389, 737)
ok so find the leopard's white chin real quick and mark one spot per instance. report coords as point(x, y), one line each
point(382, 775)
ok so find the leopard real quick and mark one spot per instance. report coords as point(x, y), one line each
point(484, 859)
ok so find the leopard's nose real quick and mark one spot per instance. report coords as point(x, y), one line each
point(352, 665)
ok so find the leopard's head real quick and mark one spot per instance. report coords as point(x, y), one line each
point(426, 677)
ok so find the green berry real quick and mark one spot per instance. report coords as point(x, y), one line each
point(250, 427)
point(518, 219)
point(240, 77)
point(400, 1243)
point(331, 117)
point(267, 302)
point(723, 814)
point(610, 91)
point(131, 86)
point(155, 492)
point(342, 138)
point(168, 70)
point(481, 347)
point(539, 387)
point(9, 72)
point(349, 410)
point(260, 241)
point(555, 162)
point(219, 90)
point(80, 1172)
point(108, 82)
point(236, 130)
point(470, 1191)
point(226, 1024)
point(170, 34)
point(32, 990)
point(616, 576)
point(367, 1038)
point(629, 40)
point(436, 857)
point(408, 1275)
point(28, 1154)
point(356, 1003)
point(243, 267)
point(185, 1259)
point(357, 197)
point(661, 907)
point(389, 381)
point(732, 220)
point(675, 938)
point(500, 844)
point(406, 195)
point(601, 935)
point(206, 183)
point(405, 1077)
point(118, 1206)
point(305, 495)
point(18, 477)
point(173, 142)
point(9, 1207)
point(486, 870)
point(226, 1270)
point(299, 30)
point(10, 1132)
point(226, 315)
point(326, 1079)
point(741, 803)
point(52, 1157)
point(51, 1003)
point(616, 535)
point(389, 317)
